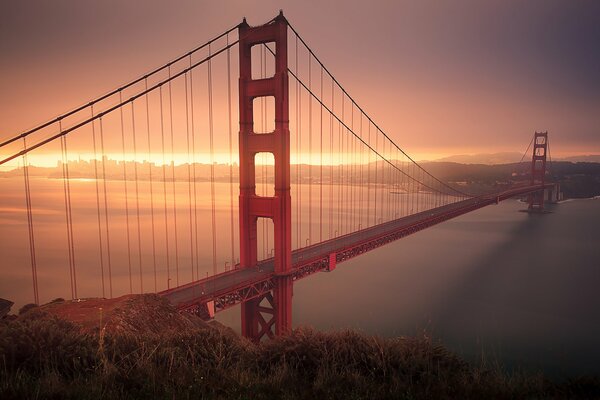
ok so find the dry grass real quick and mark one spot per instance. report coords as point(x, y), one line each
point(42, 356)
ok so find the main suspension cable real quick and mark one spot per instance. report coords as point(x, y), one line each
point(115, 91)
point(361, 110)
point(353, 103)
point(356, 135)
point(115, 107)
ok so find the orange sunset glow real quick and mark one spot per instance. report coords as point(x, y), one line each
point(440, 79)
point(314, 199)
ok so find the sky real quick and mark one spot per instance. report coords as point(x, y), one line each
point(440, 77)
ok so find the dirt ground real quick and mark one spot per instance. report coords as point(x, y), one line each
point(147, 313)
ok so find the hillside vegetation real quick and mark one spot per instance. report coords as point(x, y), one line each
point(45, 356)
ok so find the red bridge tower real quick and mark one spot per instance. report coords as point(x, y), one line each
point(274, 309)
point(538, 170)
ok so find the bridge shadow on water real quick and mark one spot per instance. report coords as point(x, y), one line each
point(529, 301)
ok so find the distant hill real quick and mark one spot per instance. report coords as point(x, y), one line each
point(595, 158)
point(508, 158)
point(578, 180)
point(486, 158)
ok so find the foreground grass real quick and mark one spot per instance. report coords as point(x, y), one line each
point(45, 357)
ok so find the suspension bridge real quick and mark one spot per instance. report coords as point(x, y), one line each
point(142, 193)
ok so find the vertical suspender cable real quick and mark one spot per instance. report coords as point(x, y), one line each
point(376, 177)
point(67, 194)
point(164, 178)
point(344, 169)
point(340, 175)
point(71, 220)
point(406, 169)
point(173, 179)
point(394, 186)
point(429, 194)
point(194, 168)
point(361, 183)
point(352, 175)
point(212, 165)
point(150, 164)
point(415, 204)
point(383, 181)
point(368, 172)
point(342, 197)
point(386, 178)
point(189, 173)
point(399, 187)
point(126, 195)
point(404, 188)
point(62, 153)
point(419, 188)
point(230, 132)
point(300, 181)
point(310, 204)
point(36, 296)
point(331, 164)
point(321, 168)
point(393, 171)
point(398, 184)
point(110, 288)
point(137, 196)
point(98, 204)
point(412, 187)
point(298, 155)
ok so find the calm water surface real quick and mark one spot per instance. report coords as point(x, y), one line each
point(496, 284)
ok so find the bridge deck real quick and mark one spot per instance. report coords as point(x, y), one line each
point(240, 284)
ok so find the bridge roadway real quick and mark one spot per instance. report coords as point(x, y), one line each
point(226, 289)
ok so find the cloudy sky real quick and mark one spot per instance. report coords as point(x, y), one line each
point(440, 77)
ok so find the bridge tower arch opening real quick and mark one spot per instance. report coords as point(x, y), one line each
point(270, 314)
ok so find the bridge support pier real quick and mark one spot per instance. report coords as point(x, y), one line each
point(273, 310)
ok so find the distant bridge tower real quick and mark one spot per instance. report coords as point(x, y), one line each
point(538, 170)
point(274, 309)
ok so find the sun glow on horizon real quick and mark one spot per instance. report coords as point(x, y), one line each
point(51, 160)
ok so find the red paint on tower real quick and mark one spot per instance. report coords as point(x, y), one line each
point(278, 305)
